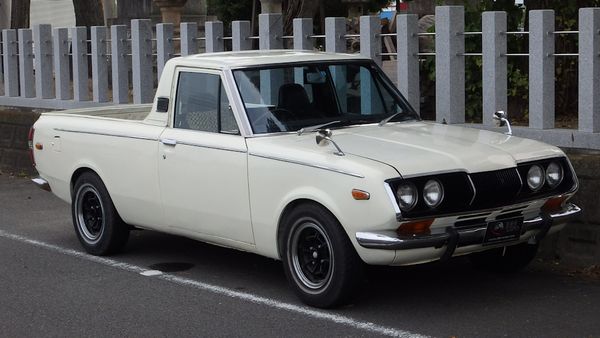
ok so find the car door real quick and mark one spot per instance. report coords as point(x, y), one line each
point(203, 161)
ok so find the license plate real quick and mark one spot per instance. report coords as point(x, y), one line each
point(503, 231)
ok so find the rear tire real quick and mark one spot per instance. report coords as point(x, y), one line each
point(320, 262)
point(515, 258)
point(98, 226)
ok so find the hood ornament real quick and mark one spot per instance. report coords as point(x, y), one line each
point(323, 139)
point(501, 120)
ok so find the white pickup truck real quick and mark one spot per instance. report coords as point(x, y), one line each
point(311, 158)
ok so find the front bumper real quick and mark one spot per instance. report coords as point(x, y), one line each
point(390, 240)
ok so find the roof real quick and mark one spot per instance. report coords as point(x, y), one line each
point(261, 57)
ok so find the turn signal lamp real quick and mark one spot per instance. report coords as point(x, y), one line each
point(415, 227)
point(554, 204)
point(360, 195)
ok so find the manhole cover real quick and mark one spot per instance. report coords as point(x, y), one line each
point(171, 266)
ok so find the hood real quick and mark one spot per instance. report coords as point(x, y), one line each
point(415, 147)
point(412, 148)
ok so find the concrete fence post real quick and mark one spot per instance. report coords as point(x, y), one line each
point(589, 69)
point(495, 78)
point(10, 62)
point(189, 35)
point(120, 69)
point(1, 63)
point(26, 79)
point(99, 64)
point(214, 36)
point(335, 42)
point(450, 64)
point(141, 59)
point(240, 32)
point(80, 64)
point(335, 29)
point(303, 29)
point(541, 69)
point(370, 40)
point(62, 71)
point(42, 40)
point(164, 46)
point(270, 30)
point(407, 42)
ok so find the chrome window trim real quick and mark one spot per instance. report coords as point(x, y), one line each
point(335, 170)
point(107, 134)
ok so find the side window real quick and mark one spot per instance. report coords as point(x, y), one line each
point(202, 104)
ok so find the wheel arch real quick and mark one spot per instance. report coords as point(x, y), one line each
point(290, 206)
point(77, 173)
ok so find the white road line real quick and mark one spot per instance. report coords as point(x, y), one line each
point(343, 320)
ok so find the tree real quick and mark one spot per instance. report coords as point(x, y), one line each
point(19, 14)
point(88, 13)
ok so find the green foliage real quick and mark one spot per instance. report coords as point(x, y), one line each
point(231, 10)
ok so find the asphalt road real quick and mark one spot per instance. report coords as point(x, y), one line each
point(50, 287)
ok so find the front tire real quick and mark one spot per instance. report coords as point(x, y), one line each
point(507, 259)
point(98, 226)
point(320, 262)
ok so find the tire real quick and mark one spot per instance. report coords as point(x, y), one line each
point(98, 226)
point(515, 258)
point(320, 263)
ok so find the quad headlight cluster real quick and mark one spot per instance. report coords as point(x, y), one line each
point(408, 194)
point(537, 176)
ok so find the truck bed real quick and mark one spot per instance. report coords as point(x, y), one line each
point(134, 112)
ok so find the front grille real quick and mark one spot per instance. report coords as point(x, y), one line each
point(494, 188)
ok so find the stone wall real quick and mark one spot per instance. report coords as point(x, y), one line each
point(577, 245)
point(14, 128)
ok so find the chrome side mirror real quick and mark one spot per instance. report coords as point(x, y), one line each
point(501, 119)
point(323, 139)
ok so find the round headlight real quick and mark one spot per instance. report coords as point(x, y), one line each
point(407, 196)
point(554, 174)
point(535, 177)
point(433, 193)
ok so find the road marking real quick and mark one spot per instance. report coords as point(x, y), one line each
point(338, 319)
point(151, 273)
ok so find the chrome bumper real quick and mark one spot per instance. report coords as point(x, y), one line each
point(41, 183)
point(390, 240)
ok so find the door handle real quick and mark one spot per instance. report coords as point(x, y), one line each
point(168, 142)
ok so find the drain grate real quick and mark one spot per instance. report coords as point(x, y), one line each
point(171, 266)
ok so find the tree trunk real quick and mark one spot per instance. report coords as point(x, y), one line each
point(19, 14)
point(88, 13)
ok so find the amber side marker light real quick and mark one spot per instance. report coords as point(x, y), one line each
point(554, 204)
point(415, 227)
point(39, 146)
point(360, 195)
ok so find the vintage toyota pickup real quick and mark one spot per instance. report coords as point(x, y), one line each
point(311, 158)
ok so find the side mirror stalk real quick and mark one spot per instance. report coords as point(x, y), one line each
point(501, 119)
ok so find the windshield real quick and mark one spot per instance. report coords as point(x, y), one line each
point(295, 96)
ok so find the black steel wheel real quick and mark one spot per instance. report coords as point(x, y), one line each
point(507, 259)
point(97, 223)
point(319, 260)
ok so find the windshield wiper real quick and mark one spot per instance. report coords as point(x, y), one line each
point(316, 127)
point(387, 119)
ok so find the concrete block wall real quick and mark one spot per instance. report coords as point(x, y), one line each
point(579, 243)
point(14, 128)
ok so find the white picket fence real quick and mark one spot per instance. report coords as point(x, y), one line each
point(48, 68)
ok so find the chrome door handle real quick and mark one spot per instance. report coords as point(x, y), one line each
point(168, 142)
